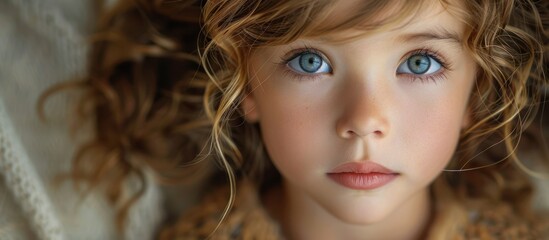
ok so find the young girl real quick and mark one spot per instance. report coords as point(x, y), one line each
point(323, 119)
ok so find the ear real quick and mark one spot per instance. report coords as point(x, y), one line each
point(249, 108)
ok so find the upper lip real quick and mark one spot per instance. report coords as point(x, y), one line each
point(362, 167)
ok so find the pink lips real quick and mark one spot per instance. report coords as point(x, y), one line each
point(362, 175)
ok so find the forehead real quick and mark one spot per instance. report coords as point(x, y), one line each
point(340, 20)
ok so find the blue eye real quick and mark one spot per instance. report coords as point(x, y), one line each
point(309, 63)
point(419, 64)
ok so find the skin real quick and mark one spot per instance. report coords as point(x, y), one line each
point(363, 110)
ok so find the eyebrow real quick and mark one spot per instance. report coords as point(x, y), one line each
point(435, 34)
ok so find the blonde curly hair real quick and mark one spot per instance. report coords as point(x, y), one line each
point(166, 79)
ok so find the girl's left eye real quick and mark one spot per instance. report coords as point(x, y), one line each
point(309, 63)
point(420, 64)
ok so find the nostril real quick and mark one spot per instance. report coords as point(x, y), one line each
point(349, 134)
point(349, 130)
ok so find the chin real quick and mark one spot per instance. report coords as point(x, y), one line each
point(358, 216)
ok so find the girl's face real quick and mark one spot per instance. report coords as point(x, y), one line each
point(392, 102)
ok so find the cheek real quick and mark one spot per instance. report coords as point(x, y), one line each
point(294, 128)
point(289, 133)
point(430, 133)
point(284, 134)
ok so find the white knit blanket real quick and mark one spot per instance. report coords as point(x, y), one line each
point(43, 42)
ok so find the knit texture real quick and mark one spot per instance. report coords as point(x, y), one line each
point(249, 220)
point(44, 42)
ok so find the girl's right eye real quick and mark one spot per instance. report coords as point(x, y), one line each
point(309, 63)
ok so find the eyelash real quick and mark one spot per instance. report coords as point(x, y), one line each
point(439, 75)
point(296, 53)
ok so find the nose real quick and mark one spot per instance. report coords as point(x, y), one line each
point(365, 106)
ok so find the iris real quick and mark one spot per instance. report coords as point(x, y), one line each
point(310, 62)
point(419, 63)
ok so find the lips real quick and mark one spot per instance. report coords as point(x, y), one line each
point(362, 175)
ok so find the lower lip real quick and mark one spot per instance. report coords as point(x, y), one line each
point(362, 181)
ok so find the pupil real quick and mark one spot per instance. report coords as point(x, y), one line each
point(310, 62)
point(419, 64)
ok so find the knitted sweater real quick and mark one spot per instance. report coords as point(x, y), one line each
point(248, 220)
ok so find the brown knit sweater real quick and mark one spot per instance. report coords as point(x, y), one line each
point(248, 220)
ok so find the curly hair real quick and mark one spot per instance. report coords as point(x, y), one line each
point(166, 79)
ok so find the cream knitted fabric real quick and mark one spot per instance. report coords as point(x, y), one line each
point(23, 182)
point(42, 42)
